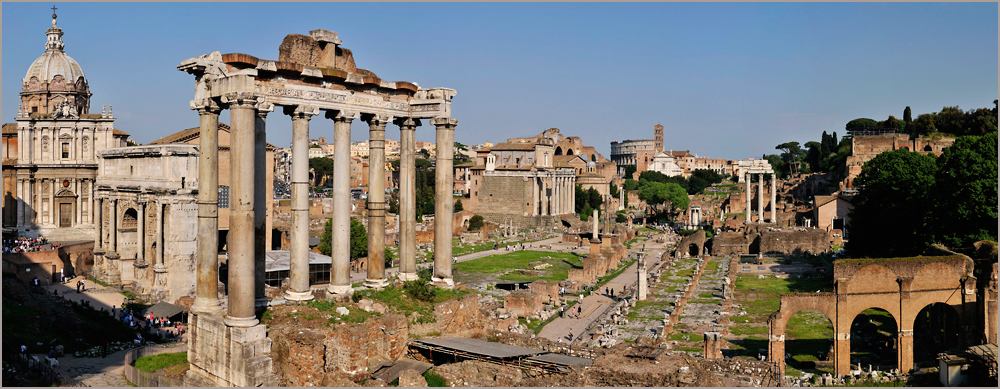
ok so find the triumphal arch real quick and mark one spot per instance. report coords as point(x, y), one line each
point(903, 287)
point(313, 76)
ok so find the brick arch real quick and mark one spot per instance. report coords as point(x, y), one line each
point(900, 286)
point(873, 278)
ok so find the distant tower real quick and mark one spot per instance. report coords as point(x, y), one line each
point(658, 138)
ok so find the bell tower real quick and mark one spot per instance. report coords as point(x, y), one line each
point(658, 137)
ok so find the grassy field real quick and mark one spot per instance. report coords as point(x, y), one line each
point(808, 332)
point(152, 363)
point(514, 266)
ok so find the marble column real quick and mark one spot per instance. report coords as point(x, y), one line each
point(407, 200)
point(340, 274)
point(444, 182)
point(760, 198)
point(376, 202)
point(158, 262)
point(543, 196)
point(774, 199)
point(114, 273)
point(748, 193)
point(298, 288)
point(78, 204)
point(140, 233)
point(260, 199)
point(534, 196)
point(240, 311)
point(207, 277)
point(99, 239)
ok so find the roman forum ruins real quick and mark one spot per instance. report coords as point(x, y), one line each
point(312, 75)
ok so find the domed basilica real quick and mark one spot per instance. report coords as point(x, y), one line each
point(50, 153)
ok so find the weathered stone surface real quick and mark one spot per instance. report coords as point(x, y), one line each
point(411, 378)
point(350, 347)
point(476, 373)
point(522, 303)
point(462, 317)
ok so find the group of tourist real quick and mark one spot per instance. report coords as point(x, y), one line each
point(159, 326)
point(25, 245)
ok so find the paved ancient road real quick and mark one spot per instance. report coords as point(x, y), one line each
point(596, 303)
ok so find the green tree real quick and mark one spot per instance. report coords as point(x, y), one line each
point(322, 167)
point(923, 125)
point(594, 198)
point(325, 239)
point(581, 198)
point(388, 258)
point(629, 170)
point(813, 154)
point(458, 206)
point(889, 218)
point(981, 121)
point(860, 124)
point(593, 157)
point(965, 192)
point(907, 116)
point(631, 184)
point(951, 120)
point(653, 176)
point(359, 239)
point(475, 223)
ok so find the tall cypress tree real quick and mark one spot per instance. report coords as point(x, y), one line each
point(907, 117)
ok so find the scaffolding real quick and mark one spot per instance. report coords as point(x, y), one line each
point(534, 363)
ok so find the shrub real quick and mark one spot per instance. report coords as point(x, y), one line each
point(420, 290)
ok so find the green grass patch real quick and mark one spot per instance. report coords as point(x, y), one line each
point(761, 296)
point(706, 295)
point(682, 337)
point(152, 363)
point(504, 263)
point(746, 329)
point(434, 380)
point(712, 266)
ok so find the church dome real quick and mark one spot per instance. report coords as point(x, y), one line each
point(54, 62)
point(54, 79)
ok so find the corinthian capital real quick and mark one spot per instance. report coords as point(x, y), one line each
point(407, 123)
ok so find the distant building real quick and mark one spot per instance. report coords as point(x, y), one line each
point(638, 152)
point(50, 154)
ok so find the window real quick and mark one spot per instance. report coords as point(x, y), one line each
point(65, 150)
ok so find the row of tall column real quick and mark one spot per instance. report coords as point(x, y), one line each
point(562, 200)
point(246, 265)
point(107, 249)
point(760, 197)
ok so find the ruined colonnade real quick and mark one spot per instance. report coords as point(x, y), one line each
point(760, 195)
point(556, 198)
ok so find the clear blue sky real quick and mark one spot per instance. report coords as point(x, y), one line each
point(726, 80)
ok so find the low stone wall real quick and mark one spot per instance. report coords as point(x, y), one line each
point(794, 241)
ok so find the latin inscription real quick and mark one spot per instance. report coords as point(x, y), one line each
point(366, 101)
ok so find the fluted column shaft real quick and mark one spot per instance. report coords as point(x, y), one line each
point(774, 199)
point(340, 277)
point(444, 182)
point(407, 200)
point(207, 288)
point(298, 288)
point(376, 202)
point(241, 212)
point(748, 177)
point(260, 199)
point(760, 197)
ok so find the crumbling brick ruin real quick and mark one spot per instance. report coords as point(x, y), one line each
point(900, 286)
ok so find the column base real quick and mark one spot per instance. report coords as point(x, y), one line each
point(408, 277)
point(298, 296)
point(243, 322)
point(340, 290)
point(443, 283)
point(379, 283)
point(209, 306)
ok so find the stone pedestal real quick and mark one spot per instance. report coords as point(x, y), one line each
point(221, 355)
point(114, 274)
point(642, 280)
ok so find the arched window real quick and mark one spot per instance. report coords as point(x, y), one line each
point(130, 220)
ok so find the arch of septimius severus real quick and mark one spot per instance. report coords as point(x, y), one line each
point(312, 76)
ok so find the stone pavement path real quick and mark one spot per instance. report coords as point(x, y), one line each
point(595, 304)
point(98, 296)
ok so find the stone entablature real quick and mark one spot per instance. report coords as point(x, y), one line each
point(151, 169)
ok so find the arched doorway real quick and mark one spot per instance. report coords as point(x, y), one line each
point(569, 152)
point(873, 340)
point(559, 150)
point(935, 330)
point(809, 342)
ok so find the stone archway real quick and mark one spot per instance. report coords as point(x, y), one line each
point(874, 334)
point(900, 286)
point(936, 328)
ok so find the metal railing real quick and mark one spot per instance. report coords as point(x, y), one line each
point(147, 379)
